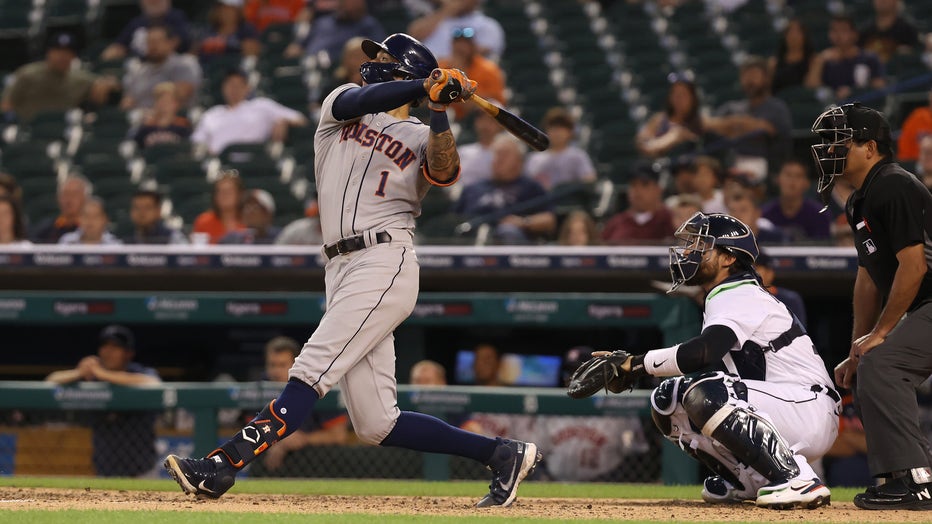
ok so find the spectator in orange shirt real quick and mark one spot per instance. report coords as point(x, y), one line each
point(263, 13)
point(225, 213)
point(916, 125)
point(466, 56)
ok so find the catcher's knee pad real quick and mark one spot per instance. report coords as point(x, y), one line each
point(664, 401)
point(712, 404)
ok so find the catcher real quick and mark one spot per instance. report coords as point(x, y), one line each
point(750, 397)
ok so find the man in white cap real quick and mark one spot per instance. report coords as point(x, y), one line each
point(258, 214)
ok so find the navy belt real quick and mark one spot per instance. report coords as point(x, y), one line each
point(350, 244)
point(819, 388)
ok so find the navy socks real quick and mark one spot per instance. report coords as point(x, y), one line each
point(422, 432)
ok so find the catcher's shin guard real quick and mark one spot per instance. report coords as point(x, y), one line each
point(750, 438)
point(261, 432)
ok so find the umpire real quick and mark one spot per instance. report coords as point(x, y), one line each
point(890, 213)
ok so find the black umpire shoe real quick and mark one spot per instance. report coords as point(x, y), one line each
point(206, 478)
point(899, 493)
point(511, 462)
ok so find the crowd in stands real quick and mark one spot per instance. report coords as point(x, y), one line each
point(208, 86)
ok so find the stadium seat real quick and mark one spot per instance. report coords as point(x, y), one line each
point(97, 167)
point(166, 171)
point(249, 159)
point(37, 186)
point(39, 207)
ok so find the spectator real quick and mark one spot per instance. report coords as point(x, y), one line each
point(225, 210)
point(844, 66)
point(228, 33)
point(678, 127)
point(428, 373)
point(795, 214)
point(258, 214)
point(466, 57)
point(322, 428)
point(476, 158)
point(162, 124)
point(304, 231)
point(889, 33)
point(486, 365)
point(263, 13)
point(12, 223)
point(760, 125)
point(587, 448)
point(93, 226)
point(646, 219)
point(846, 461)
point(162, 64)
point(243, 120)
point(794, 302)
point(435, 28)
point(794, 58)
point(682, 207)
point(148, 227)
point(72, 193)
point(329, 33)
point(124, 441)
point(743, 207)
point(916, 126)
point(54, 84)
point(562, 162)
point(508, 188)
point(682, 173)
point(924, 167)
point(707, 181)
point(578, 229)
point(9, 187)
point(133, 39)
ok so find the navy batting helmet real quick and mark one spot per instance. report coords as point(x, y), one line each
point(703, 233)
point(414, 60)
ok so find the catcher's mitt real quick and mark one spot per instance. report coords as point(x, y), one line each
point(614, 371)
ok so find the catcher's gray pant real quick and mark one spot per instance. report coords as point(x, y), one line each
point(887, 379)
point(369, 292)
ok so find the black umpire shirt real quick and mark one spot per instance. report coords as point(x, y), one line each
point(892, 210)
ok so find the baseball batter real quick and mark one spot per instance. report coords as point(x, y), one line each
point(767, 410)
point(374, 163)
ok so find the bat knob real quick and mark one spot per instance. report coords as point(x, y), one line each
point(437, 75)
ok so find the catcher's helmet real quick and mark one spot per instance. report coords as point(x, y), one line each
point(702, 233)
point(838, 125)
point(414, 60)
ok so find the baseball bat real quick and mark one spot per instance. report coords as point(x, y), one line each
point(513, 124)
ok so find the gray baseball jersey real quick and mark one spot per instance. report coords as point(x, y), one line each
point(368, 171)
point(369, 180)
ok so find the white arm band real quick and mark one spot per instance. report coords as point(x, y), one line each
point(662, 362)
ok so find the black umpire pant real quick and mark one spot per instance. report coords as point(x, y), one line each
point(887, 379)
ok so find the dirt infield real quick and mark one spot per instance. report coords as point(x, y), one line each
point(665, 510)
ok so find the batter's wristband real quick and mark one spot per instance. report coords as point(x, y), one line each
point(439, 122)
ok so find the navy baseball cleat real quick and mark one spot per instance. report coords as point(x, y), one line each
point(511, 462)
point(899, 493)
point(206, 478)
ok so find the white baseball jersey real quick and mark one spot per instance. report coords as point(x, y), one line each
point(368, 171)
point(756, 316)
point(584, 448)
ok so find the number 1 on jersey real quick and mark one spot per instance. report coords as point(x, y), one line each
point(381, 190)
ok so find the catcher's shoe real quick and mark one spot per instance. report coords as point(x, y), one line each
point(796, 493)
point(511, 462)
point(716, 490)
point(899, 493)
point(206, 478)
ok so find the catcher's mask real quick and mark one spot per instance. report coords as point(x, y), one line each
point(413, 59)
point(700, 235)
point(838, 127)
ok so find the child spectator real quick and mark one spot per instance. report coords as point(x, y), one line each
point(562, 162)
point(162, 124)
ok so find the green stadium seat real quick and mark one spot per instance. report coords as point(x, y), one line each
point(190, 208)
point(40, 207)
point(97, 167)
point(161, 152)
point(276, 38)
point(168, 170)
point(97, 149)
point(36, 186)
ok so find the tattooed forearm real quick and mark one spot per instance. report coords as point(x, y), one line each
point(442, 157)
